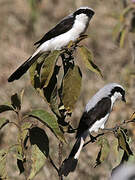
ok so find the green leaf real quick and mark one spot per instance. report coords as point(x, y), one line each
point(49, 120)
point(3, 122)
point(38, 161)
point(4, 108)
point(104, 150)
point(122, 141)
point(54, 105)
point(15, 101)
point(48, 91)
point(71, 88)
point(122, 37)
point(132, 118)
point(87, 58)
point(21, 95)
point(47, 68)
point(117, 30)
point(39, 137)
point(33, 74)
point(3, 159)
point(125, 12)
point(20, 166)
point(25, 127)
point(35, 69)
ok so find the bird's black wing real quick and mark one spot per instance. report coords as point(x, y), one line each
point(96, 113)
point(64, 26)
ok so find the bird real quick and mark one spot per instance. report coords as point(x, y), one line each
point(124, 172)
point(94, 117)
point(68, 29)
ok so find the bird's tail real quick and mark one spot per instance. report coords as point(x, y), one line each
point(69, 164)
point(23, 68)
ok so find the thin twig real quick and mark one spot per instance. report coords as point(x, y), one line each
point(60, 157)
point(90, 141)
point(112, 130)
point(51, 161)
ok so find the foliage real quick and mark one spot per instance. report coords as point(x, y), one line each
point(125, 24)
point(61, 91)
point(57, 78)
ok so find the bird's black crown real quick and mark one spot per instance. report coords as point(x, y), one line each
point(119, 90)
point(87, 11)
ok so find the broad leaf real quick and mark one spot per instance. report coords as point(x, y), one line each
point(35, 71)
point(20, 166)
point(3, 159)
point(49, 120)
point(15, 101)
point(54, 104)
point(33, 74)
point(87, 58)
point(4, 108)
point(132, 118)
point(117, 30)
point(122, 37)
point(71, 88)
point(104, 150)
point(47, 68)
point(3, 122)
point(125, 12)
point(122, 141)
point(38, 161)
point(48, 91)
point(39, 137)
point(21, 95)
point(25, 128)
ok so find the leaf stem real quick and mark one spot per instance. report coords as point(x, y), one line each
point(60, 156)
point(51, 161)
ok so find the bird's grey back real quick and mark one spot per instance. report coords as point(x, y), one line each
point(103, 92)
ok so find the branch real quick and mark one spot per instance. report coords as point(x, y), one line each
point(110, 130)
point(51, 161)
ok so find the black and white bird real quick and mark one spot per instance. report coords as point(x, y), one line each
point(94, 117)
point(68, 29)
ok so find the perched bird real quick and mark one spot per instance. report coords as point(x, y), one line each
point(124, 172)
point(68, 29)
point(95, 115)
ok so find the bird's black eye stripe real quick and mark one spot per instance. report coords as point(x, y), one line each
point(88, 12)
point(117, 89)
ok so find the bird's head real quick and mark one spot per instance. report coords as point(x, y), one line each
point(84, 11)
point(117, 92)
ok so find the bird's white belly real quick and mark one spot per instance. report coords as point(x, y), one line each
point(60, 41)
point(99, 124)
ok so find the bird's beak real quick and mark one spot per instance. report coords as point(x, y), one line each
point(123, 99)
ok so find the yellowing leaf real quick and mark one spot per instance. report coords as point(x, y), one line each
point(3, 159)
point(104, 150)
point(38, 161)
point(35, 71)
point(48, 68)
point(49, 120)
point(87, 58)
point(122, 141)
point(117, 30)
point(122, 37)
point(3, 122)
point(132, 118)
point(71, 88)
point(125, 12)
